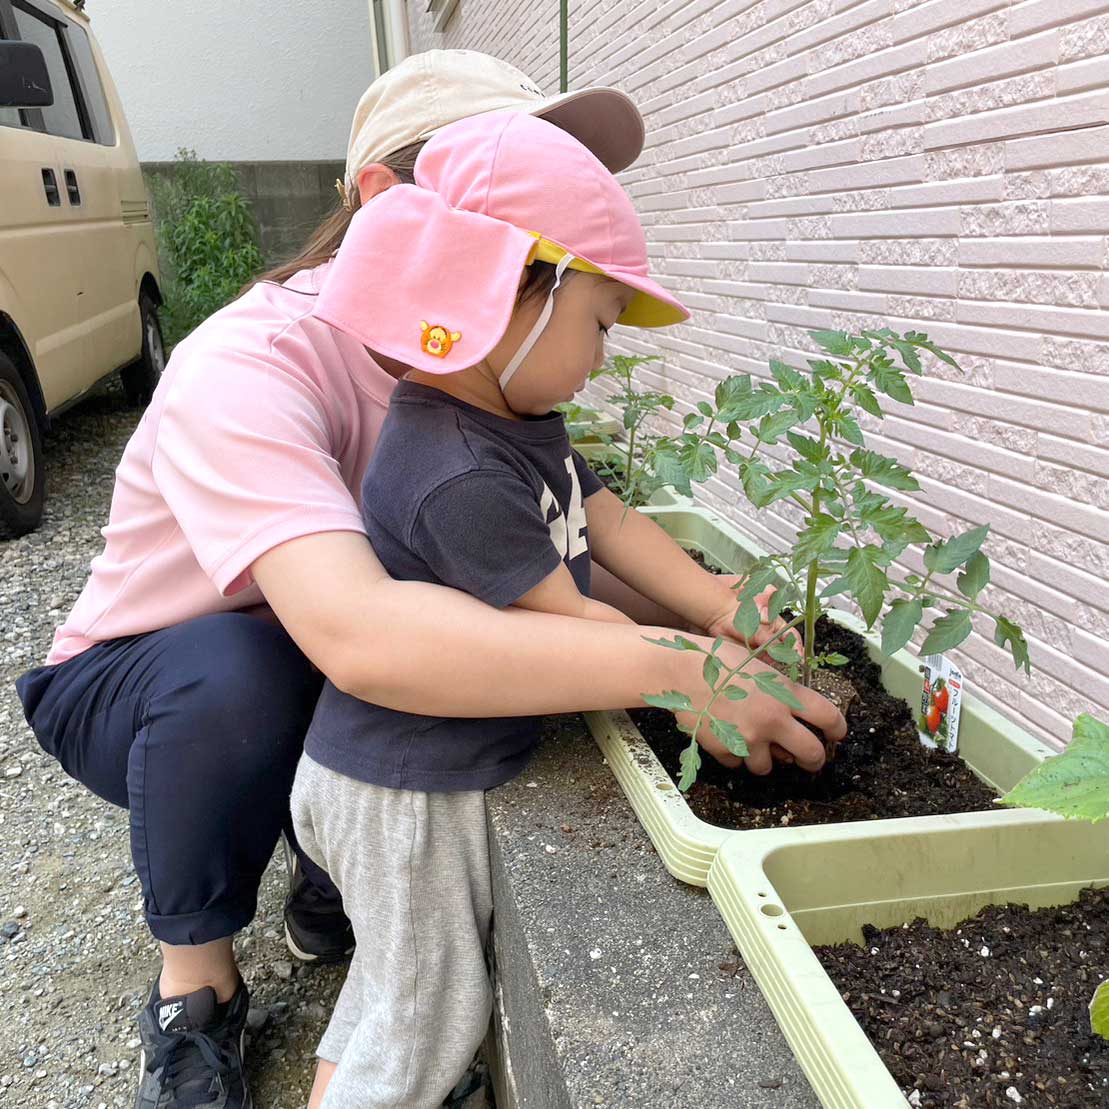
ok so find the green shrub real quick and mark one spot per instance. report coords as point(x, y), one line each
point(207, 241)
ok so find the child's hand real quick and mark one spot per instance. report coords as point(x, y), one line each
point(722, 625)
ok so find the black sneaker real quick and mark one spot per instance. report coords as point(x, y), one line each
point(192, 1052)
point(316, 928)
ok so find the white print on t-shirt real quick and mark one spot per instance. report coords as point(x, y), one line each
point(569, 539)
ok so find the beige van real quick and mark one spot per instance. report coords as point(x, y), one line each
point(78, 269)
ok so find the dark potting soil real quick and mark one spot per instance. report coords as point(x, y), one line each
point(880, 770)
point(997, 1004)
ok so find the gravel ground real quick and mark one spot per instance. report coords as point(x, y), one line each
point(76, 959)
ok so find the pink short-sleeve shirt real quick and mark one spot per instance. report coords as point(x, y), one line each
point(259, 432)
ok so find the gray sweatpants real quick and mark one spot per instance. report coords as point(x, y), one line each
point(413, 869)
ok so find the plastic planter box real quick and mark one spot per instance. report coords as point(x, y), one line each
point(997, 751)
point(819, 885)
point(597, 431)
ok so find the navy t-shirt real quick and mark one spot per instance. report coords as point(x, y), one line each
point(457, 496)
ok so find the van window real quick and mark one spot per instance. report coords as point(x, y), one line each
point(62, 117)
point(89, 76)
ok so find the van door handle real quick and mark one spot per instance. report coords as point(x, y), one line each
point(50, 187)
point(71, 187)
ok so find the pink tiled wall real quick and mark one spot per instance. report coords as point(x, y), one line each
point(934, 165)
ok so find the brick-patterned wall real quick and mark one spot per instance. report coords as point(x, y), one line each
point(937, 165)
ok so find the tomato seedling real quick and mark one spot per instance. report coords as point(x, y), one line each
point(851, 535)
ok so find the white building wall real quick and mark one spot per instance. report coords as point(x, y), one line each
point(940, 166)
point(248, 81)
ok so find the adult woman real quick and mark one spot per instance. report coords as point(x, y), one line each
point(163, 691)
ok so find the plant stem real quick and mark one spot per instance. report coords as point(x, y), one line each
point(723, 683)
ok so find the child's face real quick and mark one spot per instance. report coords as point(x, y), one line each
point(571, 346)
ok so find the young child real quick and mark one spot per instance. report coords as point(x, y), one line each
point(473, 484)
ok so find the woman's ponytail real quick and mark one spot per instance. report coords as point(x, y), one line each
point(325, 240)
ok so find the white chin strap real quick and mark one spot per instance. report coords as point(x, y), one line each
point(537, 330)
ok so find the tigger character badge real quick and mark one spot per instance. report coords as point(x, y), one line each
point(437, 340)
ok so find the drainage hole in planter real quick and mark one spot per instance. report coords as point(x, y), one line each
point(771, 910)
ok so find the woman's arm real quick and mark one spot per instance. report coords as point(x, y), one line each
point(427, 649)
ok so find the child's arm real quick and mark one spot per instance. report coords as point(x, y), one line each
point(635, 549)
point(558, 594)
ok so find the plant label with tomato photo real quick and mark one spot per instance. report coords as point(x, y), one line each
point(939, 704)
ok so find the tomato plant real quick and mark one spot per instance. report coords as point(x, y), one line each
point(1074, 784)
point(851, 535)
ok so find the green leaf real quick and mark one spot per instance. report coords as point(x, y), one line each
point(759, 575)
point(786, 376)
point(772, 428)
point(729, 735)
point(678, 643)
point(908, 355)
point(778, 600)
point(784, 652)
point(819, 536)
point(807, 448)
point(835, 588)
point(690, 760)
point(1006, 632)
point(918, 338)
point(735, 692)
point(900, 623)
point(711, 671)
point(1074, 784)
point(776, 688)
point(848, 428)
point(741, 401)
point(868, 582)
point(885, 471)
point(892, 382)
point(836, 659)
point(756, 483)
point(787, 482)
point(947, 556)
point(805, 405)
point(1099, 1011)
point(947, 631)
point(895, 523)
point(866, 399)
point(747, 618)
point(976, 576)
point(672, 699)
point(669, 470)
point(821, 369)
point(836, 343)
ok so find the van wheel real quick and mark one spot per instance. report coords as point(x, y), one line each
point(22, 474)
point(141, 378)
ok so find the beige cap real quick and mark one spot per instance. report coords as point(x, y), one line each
point(429, 90)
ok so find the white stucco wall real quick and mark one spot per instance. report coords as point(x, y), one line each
point(249, 81)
